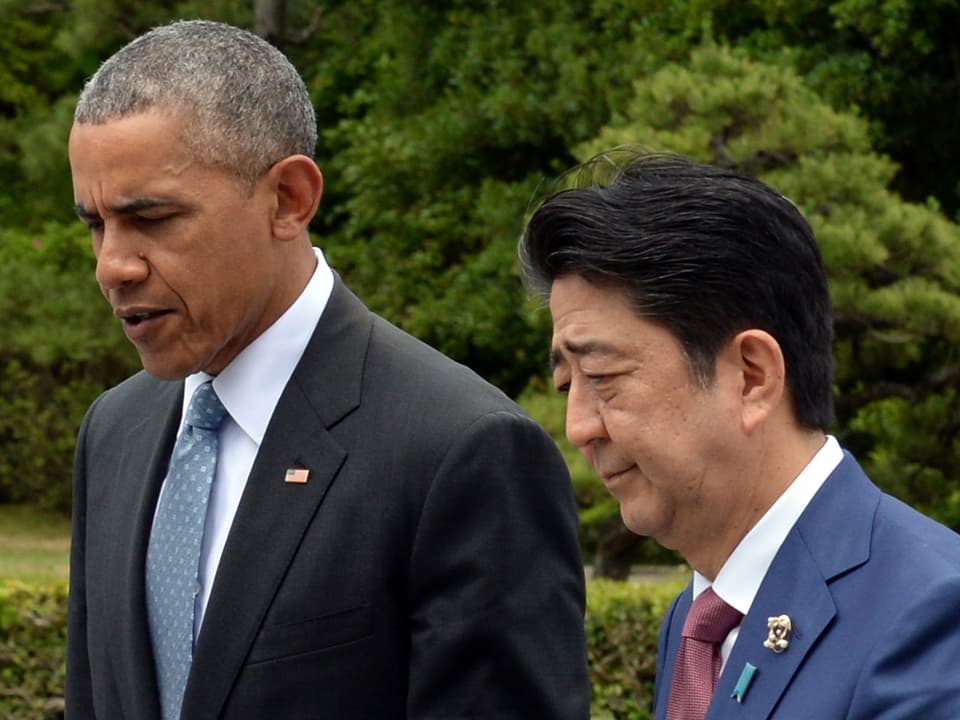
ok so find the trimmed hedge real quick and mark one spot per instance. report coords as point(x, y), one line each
point(33, 633)
point(622, 622)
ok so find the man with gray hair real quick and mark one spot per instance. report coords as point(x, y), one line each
point(297, 510)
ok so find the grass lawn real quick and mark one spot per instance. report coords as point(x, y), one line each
point(33, 545)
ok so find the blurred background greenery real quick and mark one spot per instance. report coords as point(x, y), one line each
point(441, 124)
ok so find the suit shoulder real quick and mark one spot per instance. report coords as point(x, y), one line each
point(934, 546)
point(408, 362)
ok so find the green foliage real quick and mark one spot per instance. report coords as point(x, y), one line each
point(886, 57)
point(49, 49)
point(894, 266)
point(622, 624)
point(433, 154)
point(33, 631)
point(918, 457)
point(59, 348)
point(440, 122)
point(37, 79)
point(895, 27)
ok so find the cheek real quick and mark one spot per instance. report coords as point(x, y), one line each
point(628, 426)
point(216, 307)
point(712, 424)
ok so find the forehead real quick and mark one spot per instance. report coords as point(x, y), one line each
point(148, 133)
point(591, 319)
point(576, 302)
point(597, 322)
point(131, 147)
point(137, 156)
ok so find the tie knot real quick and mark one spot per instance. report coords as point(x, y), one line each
point(205, 410)
point(710, 619)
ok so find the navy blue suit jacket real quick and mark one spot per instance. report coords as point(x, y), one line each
point(873, 591)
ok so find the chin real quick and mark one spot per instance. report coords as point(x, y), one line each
point(164, 370)
point(640, 519)
point(634, 524)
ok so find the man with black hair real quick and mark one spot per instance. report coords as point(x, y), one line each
point(692, 337)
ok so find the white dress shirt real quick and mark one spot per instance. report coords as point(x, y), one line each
point(740, 577)
point(249, 388)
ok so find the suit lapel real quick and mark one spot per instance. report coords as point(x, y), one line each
point(830, 538)
point(795, 587)
point(274, 515)
point(145, 452)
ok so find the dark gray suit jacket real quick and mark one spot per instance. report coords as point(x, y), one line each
point(429, 568)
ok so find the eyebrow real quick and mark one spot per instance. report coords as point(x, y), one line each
point(127, 208)
point(586, 347)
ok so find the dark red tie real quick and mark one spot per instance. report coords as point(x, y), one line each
point(698, 661)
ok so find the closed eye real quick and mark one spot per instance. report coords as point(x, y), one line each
point(95, 226)
point(597, 379)
point(90, 218)
point(603, 386)
point(151, 219)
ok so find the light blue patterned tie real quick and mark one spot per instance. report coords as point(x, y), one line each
point(173, 555)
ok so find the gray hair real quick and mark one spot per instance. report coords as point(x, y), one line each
point(242, 103)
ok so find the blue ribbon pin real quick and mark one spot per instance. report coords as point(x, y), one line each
point(743, 684)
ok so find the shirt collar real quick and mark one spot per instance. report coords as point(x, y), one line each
point(741, 575)
point(251, 385)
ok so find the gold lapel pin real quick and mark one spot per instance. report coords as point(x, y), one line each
point(778, 633)
point(298, 476)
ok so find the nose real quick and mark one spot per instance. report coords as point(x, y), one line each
point(119, 259)
point(584, 421)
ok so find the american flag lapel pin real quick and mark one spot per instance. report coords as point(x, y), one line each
point(298, 476)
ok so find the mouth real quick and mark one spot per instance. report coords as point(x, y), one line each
point(612, 477)
point(137, 318)
point(134, 320)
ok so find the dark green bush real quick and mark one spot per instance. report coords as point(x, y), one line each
point(623, 620)
point(59, 348)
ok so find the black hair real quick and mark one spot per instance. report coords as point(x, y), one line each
point(704, 252)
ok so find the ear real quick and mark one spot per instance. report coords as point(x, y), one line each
point(763, 374)
point(298, 185)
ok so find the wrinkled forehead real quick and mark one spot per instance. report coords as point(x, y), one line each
point(137, 156)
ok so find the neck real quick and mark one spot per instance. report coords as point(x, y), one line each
point(771, 469)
